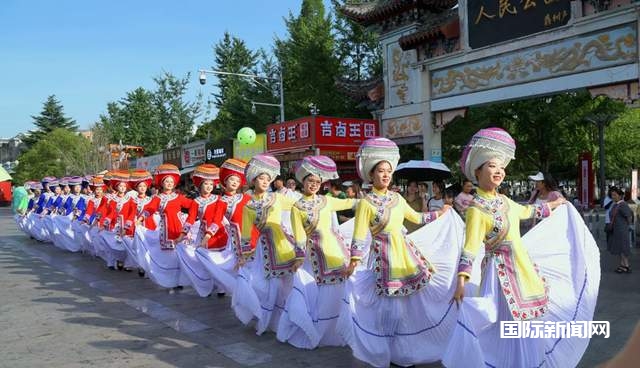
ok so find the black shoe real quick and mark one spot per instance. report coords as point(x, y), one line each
point(221, 295)
point(112, 268)
point(179, 287)
point(128, 269)
point(141, 272)
point(120, 265)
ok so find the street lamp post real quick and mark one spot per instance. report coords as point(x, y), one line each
point(601, 121)
point(203, 81)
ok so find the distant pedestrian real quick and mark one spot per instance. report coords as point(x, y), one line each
point(618, 242)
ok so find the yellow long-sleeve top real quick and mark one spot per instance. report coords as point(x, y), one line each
point(493, 220)
point(279, 252)
point(314, 232)
point(400, 267)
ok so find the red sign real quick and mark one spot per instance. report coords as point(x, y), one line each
point(289, 134)
point(585, 180)
point(344, 131)
point(324, 132)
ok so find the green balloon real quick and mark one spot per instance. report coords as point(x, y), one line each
point(246, 135)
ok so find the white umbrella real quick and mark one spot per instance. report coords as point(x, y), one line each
point(422, 170)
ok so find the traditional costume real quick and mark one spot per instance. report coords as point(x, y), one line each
point(222, 264)
point(86, 228)
point(264, 282)
point(74, 207)
point(312, 308)
point(205, 219)
point(117, 223)
point(139, 204)
point(158, 246)
point(397, 307)
point(550, 275)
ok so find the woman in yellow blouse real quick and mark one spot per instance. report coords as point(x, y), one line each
point(313, 306)
point(512, 286)
point(392, 312)
point(264, 278)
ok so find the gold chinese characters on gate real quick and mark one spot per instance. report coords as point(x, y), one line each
point(510, 8)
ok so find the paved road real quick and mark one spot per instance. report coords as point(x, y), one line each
point(64, 309)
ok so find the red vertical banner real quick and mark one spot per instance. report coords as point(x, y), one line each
point(585, 180)
point(634, 184)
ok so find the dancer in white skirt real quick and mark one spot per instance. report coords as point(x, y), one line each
point(140, 180)
point(117, 224)
point(38, 228)
point(553, 278)
point(397, 309)
point(30, 216)
point(74, 206)
point(264, 281)
point(158, 257)
point(312, 308)
point(50, 209)
point(222, 264)
point(87, 230)
point(202, 229)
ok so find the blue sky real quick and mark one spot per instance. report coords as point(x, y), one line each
point(88, 53)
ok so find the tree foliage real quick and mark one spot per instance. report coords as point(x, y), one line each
point(550, 132)
point(311, 66)
point(357, 49)
point(50, 118)
point(59, 153)
point(153, 119)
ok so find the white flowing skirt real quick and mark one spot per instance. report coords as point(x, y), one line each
point(23, 223)
point(259, 297)
point(38, 230)
point(220, 266)
point(311, 312)
point(161, 266)
point(568, 258)
point(65, 236)
point(406, 330)
point(191, 265)
point(114, 249)
point(81, 231)
point(47, 223)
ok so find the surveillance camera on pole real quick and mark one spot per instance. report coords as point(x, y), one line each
point(203, 78)
point(253, 108)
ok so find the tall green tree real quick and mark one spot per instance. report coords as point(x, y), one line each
point(358, 50)
point(155, 119)
point(309, 61)
point(622, 151)
point(59, 153)
point(176, 116)
point(50, 118)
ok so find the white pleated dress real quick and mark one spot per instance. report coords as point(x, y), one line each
point(391, 316)
point(568, 258)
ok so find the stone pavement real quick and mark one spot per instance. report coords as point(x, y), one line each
point(66, 309)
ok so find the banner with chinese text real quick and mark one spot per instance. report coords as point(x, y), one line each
point(493, 21)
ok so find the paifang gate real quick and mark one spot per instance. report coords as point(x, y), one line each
point(442, 56)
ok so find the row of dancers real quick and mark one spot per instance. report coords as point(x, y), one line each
point(437, 294)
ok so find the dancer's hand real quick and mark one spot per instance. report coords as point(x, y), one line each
point(444, 210)
point(557, 203)
point(297, 264)
point(459, 294)
point(241, 262)
point(204, 243)
point(351, 267)
point(179, 239)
